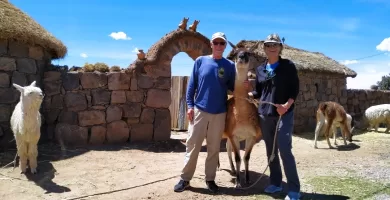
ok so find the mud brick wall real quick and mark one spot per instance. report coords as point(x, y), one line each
point(105, 108)
point(20, 64)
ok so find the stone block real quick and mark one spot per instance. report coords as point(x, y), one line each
point(98, 135)
point(141, 133)
point(162, 125)
point(117, 132)
point(71, 81)
point(133, 84)
point(5, 112)
point(19, 78)
point(57, 101)
point(4, 80)
point(35, 52)
point(157, 98)
point(75, 101)
point(91, 117)
point(7, 64)
point(118, 97)
point(135, 96)
point(100, 97)
point(18, 49)
point(118, 81)
point(26, 65)
point(163, 83)
point(131, 110)
point(132, 120)
point(91, 80)
point(51, 115)
point(145, 82)
point(51, 76)
point(71, 134)
point(9, 95)
point(52, 88)
point(114, 113)
point(147, 116)
point(68, 117)
point(3, 47)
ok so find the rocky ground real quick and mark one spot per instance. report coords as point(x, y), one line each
point(149, 171)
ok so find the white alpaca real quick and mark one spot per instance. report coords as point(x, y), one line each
point(373, 116)
point(26, 125)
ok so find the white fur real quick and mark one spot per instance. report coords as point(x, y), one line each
point(373, 116)
point(322, 121)
point(26, 124)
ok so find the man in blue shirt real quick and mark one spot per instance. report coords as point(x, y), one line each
point(212, 76)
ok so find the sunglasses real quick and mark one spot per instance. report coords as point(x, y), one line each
point(270, 45)
point(220, 43)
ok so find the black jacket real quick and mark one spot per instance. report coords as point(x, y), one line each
point(278, 88)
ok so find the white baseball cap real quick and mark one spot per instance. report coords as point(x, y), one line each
point(218, 35)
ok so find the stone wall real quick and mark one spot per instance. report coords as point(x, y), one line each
point(20, 64)
point(113, 107)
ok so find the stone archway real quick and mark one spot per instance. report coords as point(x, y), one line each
point(151, 74)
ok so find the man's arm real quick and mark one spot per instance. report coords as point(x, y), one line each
point(192, 84)
point(293, 85)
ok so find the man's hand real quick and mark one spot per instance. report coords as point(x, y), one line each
point(281, 108)
point(190, 114)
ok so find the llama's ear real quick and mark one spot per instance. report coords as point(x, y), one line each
point(33, 84)
point(18, 87)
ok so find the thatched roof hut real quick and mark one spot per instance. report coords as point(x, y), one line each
point(304, 60)
point(16, 25)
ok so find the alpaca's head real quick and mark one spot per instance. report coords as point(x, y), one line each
point(242, 59)
point(30, 95)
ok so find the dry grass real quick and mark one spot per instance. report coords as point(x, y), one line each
point(14, 24)
point(115, 69)
point(101, 67)
point(304, 60)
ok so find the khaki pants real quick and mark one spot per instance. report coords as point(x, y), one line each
point(204, 125)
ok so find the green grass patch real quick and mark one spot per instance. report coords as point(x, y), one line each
point(354, 188)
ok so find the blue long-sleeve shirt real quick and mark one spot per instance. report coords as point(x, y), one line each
point(209, 82)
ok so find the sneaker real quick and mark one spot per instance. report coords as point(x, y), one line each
point(272, 189)
point(212, 186)
point(181, 186)
point(293, 196)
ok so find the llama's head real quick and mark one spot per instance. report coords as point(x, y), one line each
point(242, 59)
point(30, 95)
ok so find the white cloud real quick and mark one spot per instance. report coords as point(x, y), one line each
point(349, 62)
point(84, 55)
point(368, 73)
point(119, 36)
point(384, 45)
point(135, 50)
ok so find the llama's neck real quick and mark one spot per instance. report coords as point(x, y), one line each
point(239, 88)
point(29, 107)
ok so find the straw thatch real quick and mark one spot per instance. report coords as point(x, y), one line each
point(16, 25)
point(304, 60)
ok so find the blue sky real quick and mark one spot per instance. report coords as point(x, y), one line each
point(343, 30)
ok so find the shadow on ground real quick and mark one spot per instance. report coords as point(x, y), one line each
point(257, 190)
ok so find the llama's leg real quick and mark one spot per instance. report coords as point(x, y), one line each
point(22, 152)
point(334, 131)
point(345, 132)
point(237, 158)
point(249, 143)
point(229, 152)
point(387, 126)
point(327, 129)
point(32, 157)
point(376, 127)
point(317, 131)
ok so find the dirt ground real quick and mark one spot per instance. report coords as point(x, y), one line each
point(149, 171)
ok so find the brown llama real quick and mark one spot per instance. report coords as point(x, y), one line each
point(242, 119)
point(332, 113)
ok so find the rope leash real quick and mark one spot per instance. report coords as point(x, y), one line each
point(257, 103)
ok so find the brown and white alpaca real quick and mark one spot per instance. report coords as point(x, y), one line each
point(334, 114)
point(242, 119)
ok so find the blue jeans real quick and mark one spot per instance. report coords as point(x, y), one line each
point(284, 145)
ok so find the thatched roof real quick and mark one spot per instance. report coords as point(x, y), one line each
point(14, 24)
point(304, 60)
